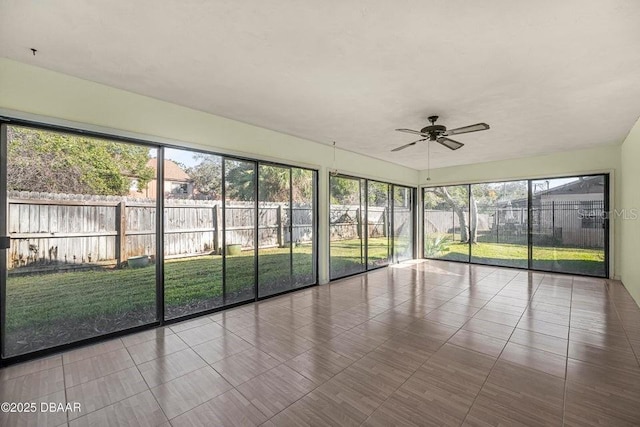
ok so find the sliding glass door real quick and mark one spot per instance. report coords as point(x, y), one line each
point(556, 224)
point(370, 224)
point(569, 229)
point(302, 235)
point(499, 223)
point(274, 224)
point(446, 222)
point(100, 235)
point(192, 239)
point(378, 224)
point(346, 217)
point(403, 220)
point(81, 254)
point(240, 219)
point(285, 227)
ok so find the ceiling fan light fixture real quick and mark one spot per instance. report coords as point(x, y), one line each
point(439, 133)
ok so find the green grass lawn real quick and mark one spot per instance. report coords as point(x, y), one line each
point(59, 307)
point(568, 260)
point(348, 258)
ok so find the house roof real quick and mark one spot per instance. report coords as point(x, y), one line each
point(583, 185)
point(172, 172)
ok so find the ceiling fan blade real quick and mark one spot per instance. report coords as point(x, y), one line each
point(466, 129)
point(415, 132)
point(450, 143)
point(402, 147)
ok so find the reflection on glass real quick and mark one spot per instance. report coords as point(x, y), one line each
point(447, 222)
point(192, 232)
point(274, 220)
point(498, 231)
point(402, 223)
point(378, 227)
point(568, 225)
point(303, 219)
point(240, 223)
point(346, 226)
point(82, 225)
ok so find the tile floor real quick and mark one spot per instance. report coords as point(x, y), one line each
point(424, 343)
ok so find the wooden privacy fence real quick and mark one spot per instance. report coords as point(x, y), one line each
point(69, 231)
point(346, 221)
point(441, 221)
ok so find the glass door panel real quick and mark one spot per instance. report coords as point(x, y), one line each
point(274, 219)
point(192, 232)
point(378, 226)
point(402, 223)
point(569, 226)
point(446, 222)
point(303, 216)
point(498, 225)
point(240, 223)
point(82, 227)
point(346, 246)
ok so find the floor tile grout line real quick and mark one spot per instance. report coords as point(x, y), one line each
point(64, 384)
point(112, 404)
point(123, 399)
point(626, 334)
point(136, 365)
point(158, 357)
point(499, 355)
point(99, 378)
point(149, 388)
point(566, 365)
point(299, 373)
point(422, 291)
point(445, 342)
point(344, 369)
point(88, 347)
point(28, 362)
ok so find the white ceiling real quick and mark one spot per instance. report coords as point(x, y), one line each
point(547, 75)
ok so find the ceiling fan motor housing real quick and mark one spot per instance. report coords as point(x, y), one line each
point(434, 131)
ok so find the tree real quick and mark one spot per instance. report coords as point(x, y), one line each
point(276, 181)
point(458, 202)
point(345, 191)
point(56, 162)
point(378, 194)
point(273, 182)
point(239, 180)
point(207, 176)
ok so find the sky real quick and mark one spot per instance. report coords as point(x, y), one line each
point(182, 156)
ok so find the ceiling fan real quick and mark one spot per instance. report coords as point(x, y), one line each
point(440, 133)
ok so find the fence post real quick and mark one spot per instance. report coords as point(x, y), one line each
point(121, 229)
point(497, 220)
point(217, 245)
point(553, 218)
point(280, 229)
point(359, 223)
point(385, 222)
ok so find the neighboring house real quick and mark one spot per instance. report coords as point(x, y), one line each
point(575, 211)
point(572, 213)
point(177, 183)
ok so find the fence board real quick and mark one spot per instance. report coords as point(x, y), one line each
point(69, 231)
